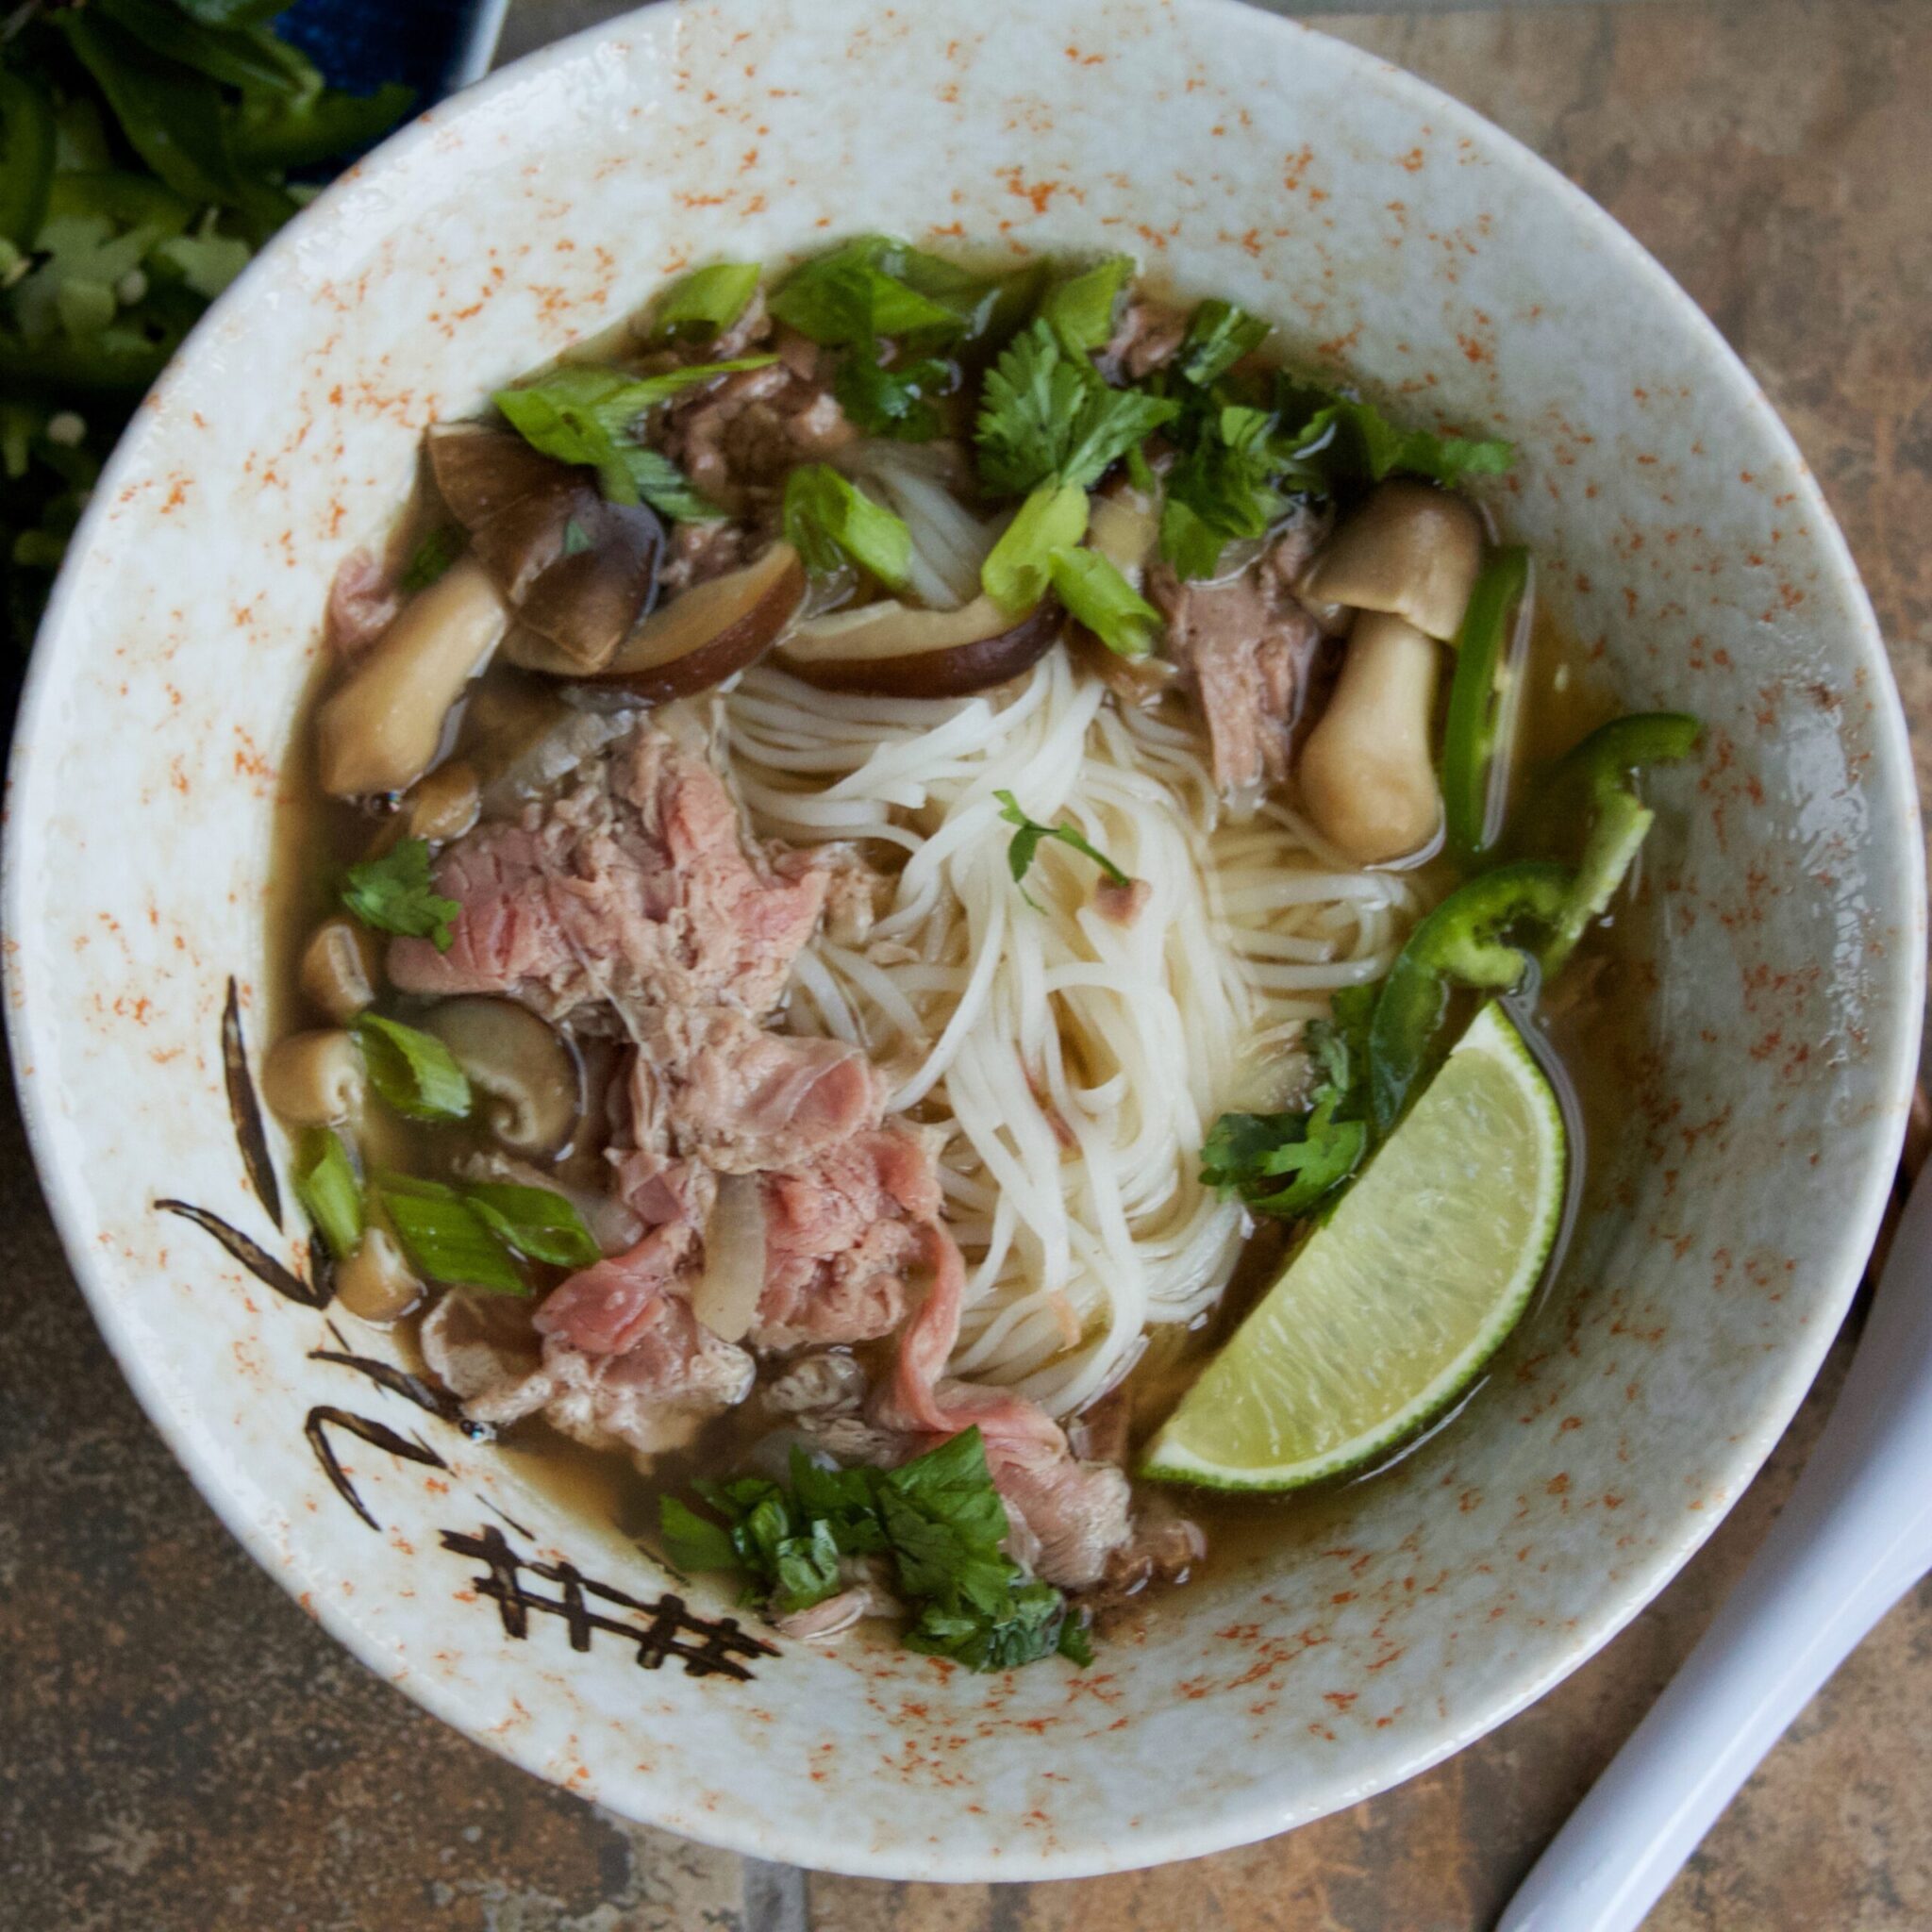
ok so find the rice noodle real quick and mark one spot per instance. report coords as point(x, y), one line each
point(1077, 1063)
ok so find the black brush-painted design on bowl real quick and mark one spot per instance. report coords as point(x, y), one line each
point(720, 1641)
point(706, 1648)
point(245, 1109)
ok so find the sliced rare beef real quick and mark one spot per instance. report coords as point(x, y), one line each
point(1248, 651)
point(720, 1089)
point(841, 1232)
point(633, 886)
point(651, 1396)
point(1070, 1515)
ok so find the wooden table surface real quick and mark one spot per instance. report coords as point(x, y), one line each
point(182, 1751)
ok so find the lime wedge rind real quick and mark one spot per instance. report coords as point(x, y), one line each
point(1389, 1314)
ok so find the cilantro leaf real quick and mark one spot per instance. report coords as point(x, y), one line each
point(937, 1520)
point(1340, 440)
point(1223, 487)
point(1315, 1150)
point(1017, 568)
point(397, 893)
point(1047, 416)
point(704, 303)
point(1218, 335)
point(830, 523)
point(692, 1541)
point(891, 399)
point(1080, 311)
point(1025, 845)
point(1096, 594)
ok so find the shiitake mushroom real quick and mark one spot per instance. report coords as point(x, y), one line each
point(893, 650)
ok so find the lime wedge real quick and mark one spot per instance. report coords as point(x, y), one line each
point(1388, 1313)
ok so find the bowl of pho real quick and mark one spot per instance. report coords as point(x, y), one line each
point(978, 991)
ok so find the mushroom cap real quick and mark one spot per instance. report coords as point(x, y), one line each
point(1411, 551)
point(530, 1072)
point(893, 650)
point(708, 633)
point(578, 571)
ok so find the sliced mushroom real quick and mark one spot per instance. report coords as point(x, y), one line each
point(893, 650)
point(531, 1074)
point(376, 1282)
point(382, 729)
point(337, 972)
point(1367, 778)
point(445, 805)
point(1411, 551)
point(315, 1079)
point(697, 640)
point(578, 569)
point(725, 1295)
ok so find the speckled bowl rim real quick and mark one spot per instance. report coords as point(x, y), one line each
point(1093, 1853)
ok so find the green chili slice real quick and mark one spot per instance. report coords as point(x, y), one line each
point(1478, 697)
point(1462, 943)
point(1594, 777)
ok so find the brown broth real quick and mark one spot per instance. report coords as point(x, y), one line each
point(1591, 1036)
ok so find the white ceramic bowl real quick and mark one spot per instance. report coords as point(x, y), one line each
point(1392, 233)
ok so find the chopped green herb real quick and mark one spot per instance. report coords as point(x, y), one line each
point(1218, 335)
point(535, 1221)
point(576, 538)
point(1019, 567)
point(413, 1072)
point(1080, 311)
point(691, 1541)
point(1047, 416)
point(1288, 1164)
point(326, 1184)
point(830, 522)
point(706, 302)
point(1223, 487)
point(1339, 439)
point(939, 1523)
point(875, 286)
point(1025, 845)
point(432, 556)
point(397, 893)
point(1096, 594)
point(444, 1238)
point(581, 414)
point(891, 399)
point(665, 487)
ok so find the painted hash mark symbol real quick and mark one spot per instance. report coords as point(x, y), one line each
point(720, 1641)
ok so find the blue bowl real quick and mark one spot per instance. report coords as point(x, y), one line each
point(433, 47)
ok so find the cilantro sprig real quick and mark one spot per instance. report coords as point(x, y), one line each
point(1024, 847)
point(1048, 417)
point(1289, 1164)
point(397, 893)
point(936, 1521)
